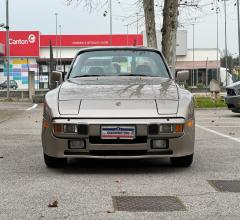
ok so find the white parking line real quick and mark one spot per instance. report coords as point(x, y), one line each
point(33, 107)
point(217, 133)
point(223, 126)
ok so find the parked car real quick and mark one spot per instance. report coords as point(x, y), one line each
point(13, 84)
point(136, 110)
point(233, 97)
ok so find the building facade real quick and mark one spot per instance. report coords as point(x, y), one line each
point(203, 65)
point(30, 51)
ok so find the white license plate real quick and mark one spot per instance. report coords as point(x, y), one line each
point(117, 132)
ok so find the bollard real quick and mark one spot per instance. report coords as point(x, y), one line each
point(31, 84)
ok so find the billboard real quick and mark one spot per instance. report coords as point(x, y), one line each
point(22, 43)
point(91, 40)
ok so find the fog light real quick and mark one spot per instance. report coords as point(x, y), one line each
point(159, 144)
point(78, 144)
point(70, 128)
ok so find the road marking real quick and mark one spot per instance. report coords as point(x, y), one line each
point(218, 133)
point(223, 126)
point(33, 107)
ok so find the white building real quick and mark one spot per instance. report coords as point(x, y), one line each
point(205, 61)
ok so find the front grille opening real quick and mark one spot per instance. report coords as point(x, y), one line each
point(83, 129)
point(231, 92)
point(153, 129)
point(231, 106)
point(118, 153)
point(98, 140)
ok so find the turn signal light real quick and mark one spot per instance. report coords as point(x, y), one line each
point(171, 128)
point(190, 123)
point(57, 128)
point(45, 124)
point(178, 128)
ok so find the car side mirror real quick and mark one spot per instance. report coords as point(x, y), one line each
point(182, 75)
point(56, 79)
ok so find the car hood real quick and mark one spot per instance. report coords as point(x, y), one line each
point(116, 88)
point(114, 97)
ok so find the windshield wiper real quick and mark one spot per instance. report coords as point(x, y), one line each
point(135, 75)
point(86, 75)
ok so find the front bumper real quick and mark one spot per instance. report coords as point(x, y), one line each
point(233, 103)
point(178, 145)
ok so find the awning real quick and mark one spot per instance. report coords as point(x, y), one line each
point(197, 65)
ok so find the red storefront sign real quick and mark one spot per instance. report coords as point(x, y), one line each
point(91, 40)
point(22, 43)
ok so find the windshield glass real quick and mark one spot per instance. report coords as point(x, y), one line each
point(119, 63)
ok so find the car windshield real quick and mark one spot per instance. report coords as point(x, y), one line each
point(119, 63)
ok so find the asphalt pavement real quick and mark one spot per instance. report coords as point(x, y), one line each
point(84, 189)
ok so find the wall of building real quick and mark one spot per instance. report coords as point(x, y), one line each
point(181, 45)
point(200, 55)
point(19, 68)
point(64, 52)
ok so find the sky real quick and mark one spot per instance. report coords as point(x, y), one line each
point(40, 15)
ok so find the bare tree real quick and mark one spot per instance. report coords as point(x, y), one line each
point(169, 31)
point(88, 4)
point(148, 6)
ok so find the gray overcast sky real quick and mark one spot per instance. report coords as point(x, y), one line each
point(39, 15)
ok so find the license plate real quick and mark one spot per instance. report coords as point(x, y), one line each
point(117, 132)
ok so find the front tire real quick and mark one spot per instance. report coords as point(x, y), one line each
point(53, 162)
point(185, 161)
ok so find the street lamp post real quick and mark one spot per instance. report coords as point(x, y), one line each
point(56, 44)
point(127, 32)
point(238, 33)
point(7, 47)
point(226, 53)
point(217, 12)
point(238, 36)
point(60, 45)
point(193, 55)
point(110, 9)
point(137, 28)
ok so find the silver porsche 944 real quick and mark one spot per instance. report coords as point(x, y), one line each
point(118, 103)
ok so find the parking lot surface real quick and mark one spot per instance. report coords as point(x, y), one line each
point(87, 189)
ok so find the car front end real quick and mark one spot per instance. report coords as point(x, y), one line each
point(233, 97)
point(119, 117)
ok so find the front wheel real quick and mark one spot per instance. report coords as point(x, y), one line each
point(185, 161)
point(53, 162)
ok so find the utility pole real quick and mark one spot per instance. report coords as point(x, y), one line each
point(226, 53)
point(7, 48)
point(110, 7)
point(56, 44)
